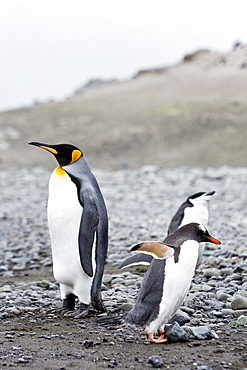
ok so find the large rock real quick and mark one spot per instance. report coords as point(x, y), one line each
point(242, 320)
point(199, 332)
point(239, 303)
point(180, 317)
point(175, 333)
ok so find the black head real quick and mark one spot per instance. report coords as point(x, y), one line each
point(192, 231)
point(65, 154)
point(196, 195)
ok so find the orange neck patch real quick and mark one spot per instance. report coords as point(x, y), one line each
point(76, 154)
point(59, 171)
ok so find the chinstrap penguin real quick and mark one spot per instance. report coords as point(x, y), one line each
point(194, 209)
point(167, 281)
point(78, 225)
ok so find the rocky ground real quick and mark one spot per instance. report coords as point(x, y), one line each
point(140, 204)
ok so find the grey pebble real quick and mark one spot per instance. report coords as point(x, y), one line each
point(226, 271)
point(242, 251)
point(13, 310)
point(209, 272)
point(22, 360)
point(244, 286)
point(126, 306)
point(107, 279)
point(213, 303)
point(130, 282)
point(117, 281)
point(206, 288)
point(238, 313)
point(188, 310)
point(6, 289)
point(227, 311)
point(239, 303)
point(221, 295)
point(156, 361)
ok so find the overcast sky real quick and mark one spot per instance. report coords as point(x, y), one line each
point(49, 48)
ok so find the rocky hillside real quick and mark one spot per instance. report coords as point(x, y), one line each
point(190, 114)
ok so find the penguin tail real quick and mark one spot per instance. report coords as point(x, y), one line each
point(107, 320)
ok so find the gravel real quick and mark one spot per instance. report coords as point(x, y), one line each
point(155, 361)
point(140, 205)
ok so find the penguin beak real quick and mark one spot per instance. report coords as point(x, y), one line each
point(213, 240)
point(43, 146)
point(158, 250)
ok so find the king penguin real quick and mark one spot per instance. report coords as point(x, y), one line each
point(193, 209)
point(78, 225)
point(167, 281)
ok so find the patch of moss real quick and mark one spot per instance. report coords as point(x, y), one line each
point(192, 56)
point(150, 71)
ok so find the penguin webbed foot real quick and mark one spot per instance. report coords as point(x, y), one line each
point(161, 339)
point(107, 320)
point(60, 311)
point(80, 312)
point(68, 305)
point(68, 308)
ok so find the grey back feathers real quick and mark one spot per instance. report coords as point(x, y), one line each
point(96, 218)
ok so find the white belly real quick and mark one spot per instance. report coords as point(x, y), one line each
point(198, 213)
point(177, 281)
point(64, 217)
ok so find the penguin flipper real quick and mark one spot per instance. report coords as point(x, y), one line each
point(88, 226)
point(136, 259)
point(100, 257)
point(177, 218)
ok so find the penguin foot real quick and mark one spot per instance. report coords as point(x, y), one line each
point(82, 311)
point(61, 311)
point(161, 339)
point(107, 320)
point(68, 305)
